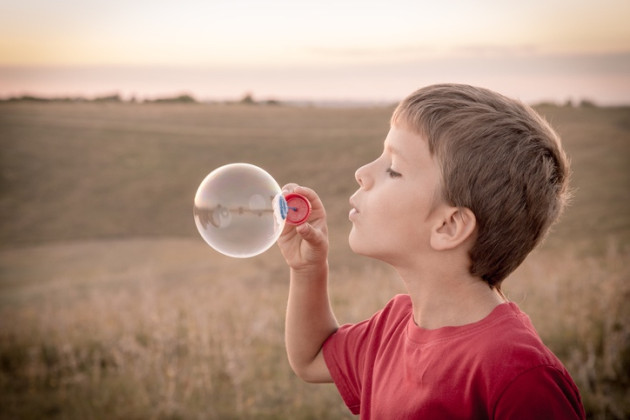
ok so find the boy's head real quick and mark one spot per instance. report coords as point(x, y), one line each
point(498, 158)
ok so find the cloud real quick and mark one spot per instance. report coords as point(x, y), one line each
point(373, 51)
point(494, 50)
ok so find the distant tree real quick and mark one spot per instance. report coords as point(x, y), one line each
point(109, 98)
point(545, 104)
point(181, 99)
point(586, 103)
point(29, 98)
point(248, 99)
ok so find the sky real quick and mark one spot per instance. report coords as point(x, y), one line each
point(365, 50)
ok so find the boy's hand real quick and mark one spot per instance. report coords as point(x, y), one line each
point(305, 245)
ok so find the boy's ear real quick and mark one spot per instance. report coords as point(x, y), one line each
point(455, 227)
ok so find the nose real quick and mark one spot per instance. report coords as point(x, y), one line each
point(362, 177)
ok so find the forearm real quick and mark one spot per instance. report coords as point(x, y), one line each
point(309, 321)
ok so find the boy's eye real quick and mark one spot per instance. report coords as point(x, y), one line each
point(392, 173)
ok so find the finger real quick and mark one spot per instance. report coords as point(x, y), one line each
point(289, 188)
point(316, 203)
point(288, 227)
point(311, 235)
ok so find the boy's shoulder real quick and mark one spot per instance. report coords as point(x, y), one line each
point(511, 335)
point(504, 346)
point(506, 334)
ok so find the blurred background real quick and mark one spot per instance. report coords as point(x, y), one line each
point(112, 113)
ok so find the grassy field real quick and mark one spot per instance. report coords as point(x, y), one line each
point(111, 305)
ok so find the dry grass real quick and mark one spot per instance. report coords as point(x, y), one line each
point(579, 306)
point(112, 307)
point(154, 329)
point(168, 329)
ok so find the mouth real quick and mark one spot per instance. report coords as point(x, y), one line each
point(353, 211)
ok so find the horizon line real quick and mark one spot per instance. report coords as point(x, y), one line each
point(186, 97)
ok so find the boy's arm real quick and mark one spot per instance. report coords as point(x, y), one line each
point(309, 320)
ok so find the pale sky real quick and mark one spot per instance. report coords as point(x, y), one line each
point(343, 49)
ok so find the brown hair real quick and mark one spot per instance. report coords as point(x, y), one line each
point(498, 158)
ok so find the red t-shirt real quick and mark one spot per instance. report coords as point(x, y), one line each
point(497, 368)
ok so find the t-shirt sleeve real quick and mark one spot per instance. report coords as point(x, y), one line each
point(350, 350)
point(543, 392)
point(343, 356)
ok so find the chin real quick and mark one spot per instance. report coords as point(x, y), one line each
point(355, 243)
point(360, 247)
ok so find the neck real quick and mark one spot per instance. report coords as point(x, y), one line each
point(452, 299)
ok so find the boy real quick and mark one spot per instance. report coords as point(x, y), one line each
point(467, 185)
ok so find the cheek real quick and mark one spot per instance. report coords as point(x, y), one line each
point(379, 231)
point(407, 225)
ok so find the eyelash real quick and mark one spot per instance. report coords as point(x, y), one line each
point(392, 173)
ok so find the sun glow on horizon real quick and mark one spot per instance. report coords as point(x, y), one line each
point(294, 48)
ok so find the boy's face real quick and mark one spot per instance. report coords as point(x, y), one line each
point(397, 200)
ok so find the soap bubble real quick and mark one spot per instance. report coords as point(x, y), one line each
point(239, 210)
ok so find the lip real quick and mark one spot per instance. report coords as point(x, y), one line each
point(353, 211)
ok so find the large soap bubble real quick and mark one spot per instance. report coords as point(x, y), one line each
point(240, 211)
